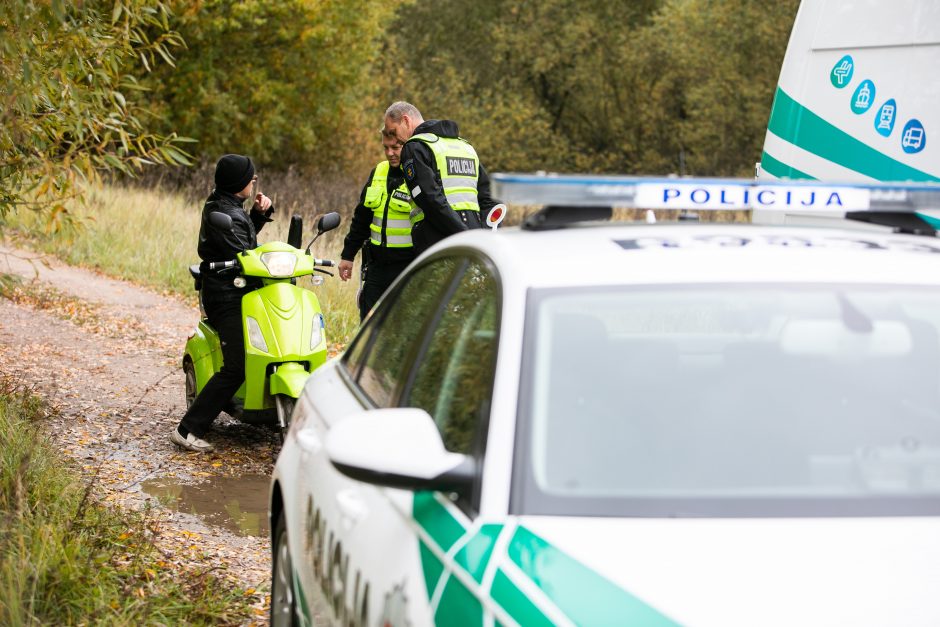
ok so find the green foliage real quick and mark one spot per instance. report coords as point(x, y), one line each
point(721, 61)
point(287, 81)
point(69, 95)
point(654, 86)
point(68, 560)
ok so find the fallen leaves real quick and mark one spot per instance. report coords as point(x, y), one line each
point(45, 297)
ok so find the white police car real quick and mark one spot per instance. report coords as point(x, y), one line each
point(628, 425)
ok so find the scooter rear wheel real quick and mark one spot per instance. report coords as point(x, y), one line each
point(189, 374)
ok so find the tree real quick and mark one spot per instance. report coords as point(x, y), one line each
point(69, 90)
point(628, 86)
point(289, 82)
point(712, 66)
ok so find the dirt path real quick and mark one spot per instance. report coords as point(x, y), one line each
point(116, 380)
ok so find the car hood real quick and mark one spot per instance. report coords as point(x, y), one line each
point(840, 571)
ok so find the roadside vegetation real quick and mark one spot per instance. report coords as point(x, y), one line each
point(68, 560)
point(625, 86)
point(158, 89)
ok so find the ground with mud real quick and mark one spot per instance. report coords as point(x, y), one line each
point(106, 353)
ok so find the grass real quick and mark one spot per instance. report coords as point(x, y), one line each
point(149, 237)
point(67, 560)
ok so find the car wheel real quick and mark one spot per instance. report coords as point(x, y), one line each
point(283, 603)
point(189, 374)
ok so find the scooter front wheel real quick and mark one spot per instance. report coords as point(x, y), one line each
point(285, 407)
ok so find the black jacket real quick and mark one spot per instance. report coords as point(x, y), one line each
point(221, 245)
point(420, 166)
point(360, 234)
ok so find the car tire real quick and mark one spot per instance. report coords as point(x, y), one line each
point(283, 601)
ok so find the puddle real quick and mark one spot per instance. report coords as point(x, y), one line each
point(238, 504)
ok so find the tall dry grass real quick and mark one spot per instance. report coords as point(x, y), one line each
point(148, 235)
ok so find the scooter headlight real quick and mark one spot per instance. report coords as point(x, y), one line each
point(280, 263)
point(316, 332)
point(255, 336)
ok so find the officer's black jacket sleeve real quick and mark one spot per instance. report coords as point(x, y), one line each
point(484, 195)
point(260, 218)
point(359, 230)
point(426, 188)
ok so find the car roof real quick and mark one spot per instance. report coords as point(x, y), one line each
point(704, 253)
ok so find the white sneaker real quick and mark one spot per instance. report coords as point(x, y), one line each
point(191, 442)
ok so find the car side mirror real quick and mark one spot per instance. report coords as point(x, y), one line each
point(221, 221)
point(397, 448)
point(328, 222)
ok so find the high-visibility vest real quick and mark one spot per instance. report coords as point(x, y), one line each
point(459, 167)
point(390, 212)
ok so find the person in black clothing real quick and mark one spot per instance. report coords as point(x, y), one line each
point(380, 227)
point(438, 211)
point(234, 183)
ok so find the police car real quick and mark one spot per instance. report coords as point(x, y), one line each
point(654, 424)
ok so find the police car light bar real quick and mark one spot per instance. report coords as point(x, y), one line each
point(707, 194)
point(568, 199)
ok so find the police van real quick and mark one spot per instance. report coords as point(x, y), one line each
point(578, 422)
point(858, 94)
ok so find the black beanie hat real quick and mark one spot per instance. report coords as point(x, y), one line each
point(233, 173)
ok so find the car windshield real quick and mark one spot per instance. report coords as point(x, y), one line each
point(750, 400)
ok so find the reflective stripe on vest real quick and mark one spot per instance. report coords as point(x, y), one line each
point(390, 213)
point(459, 169)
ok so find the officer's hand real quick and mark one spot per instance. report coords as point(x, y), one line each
point(262, 202)
point(345, 269)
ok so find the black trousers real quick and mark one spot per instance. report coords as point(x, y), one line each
point(225, 316)
point(379, 276)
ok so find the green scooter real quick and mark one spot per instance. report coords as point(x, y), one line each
point(285, 339)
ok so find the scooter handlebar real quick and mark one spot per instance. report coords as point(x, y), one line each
point(222, 265)
point(326, 263)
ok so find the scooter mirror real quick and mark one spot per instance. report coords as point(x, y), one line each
point(295, 234)
point(220, 220)
point(328, 222)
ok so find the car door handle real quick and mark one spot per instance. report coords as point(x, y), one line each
point(309, 441)
point(352, 507)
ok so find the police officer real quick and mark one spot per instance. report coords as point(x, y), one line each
point(234, 183)
point(380, 227)
point(449, 187)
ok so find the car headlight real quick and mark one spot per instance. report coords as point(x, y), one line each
point(255, 336)
point(316, 331)
point(280, 263)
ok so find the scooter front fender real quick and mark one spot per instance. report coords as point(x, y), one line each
point(290, 321)
point(289, 379)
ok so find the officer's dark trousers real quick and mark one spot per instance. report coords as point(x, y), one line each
point(379, 276)
point(226, 318)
